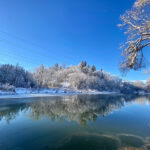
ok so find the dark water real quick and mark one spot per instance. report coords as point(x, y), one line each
point(96, 122)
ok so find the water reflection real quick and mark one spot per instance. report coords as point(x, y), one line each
point(79, 108)
point(102, 142)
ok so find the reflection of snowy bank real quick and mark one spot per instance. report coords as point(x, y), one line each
point(80, 118)
point(75, 108)
point(78, 108)
point(27, 92)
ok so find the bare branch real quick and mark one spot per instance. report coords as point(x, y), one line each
point(137, 26)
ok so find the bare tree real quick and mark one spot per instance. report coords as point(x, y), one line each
point(136, 23)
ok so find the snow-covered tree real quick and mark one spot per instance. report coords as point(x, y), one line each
point(136, 22)
point(148, 83)
point(75, 77)
point(67, 77)
point(39, 75)
point(16, 76)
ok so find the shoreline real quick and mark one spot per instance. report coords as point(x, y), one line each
point(30, 93)
point(44, 92)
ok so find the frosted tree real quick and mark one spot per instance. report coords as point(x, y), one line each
point(39, 75)
point(56, 66)
point(16, 76)
point(84, 67)
point(73, 77)
point(136, 23)
point(148, 83)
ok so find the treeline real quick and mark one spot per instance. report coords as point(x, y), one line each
point(80, 77)
point(15, 76)
point(77, 77)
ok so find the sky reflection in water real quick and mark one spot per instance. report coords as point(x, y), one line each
point(90, 122)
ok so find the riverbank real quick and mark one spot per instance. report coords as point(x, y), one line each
point(25, 92)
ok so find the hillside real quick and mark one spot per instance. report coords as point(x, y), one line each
point(81, 77)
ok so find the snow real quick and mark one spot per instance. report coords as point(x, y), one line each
point(6, 93)
point(28, 92)
point(36, 91)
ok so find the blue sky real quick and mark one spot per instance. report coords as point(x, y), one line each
point(35, 32)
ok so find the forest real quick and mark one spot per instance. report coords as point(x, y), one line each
point(79, 77)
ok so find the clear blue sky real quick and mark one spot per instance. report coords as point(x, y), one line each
point(35, 32)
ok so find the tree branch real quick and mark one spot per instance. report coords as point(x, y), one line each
point(145, 34)
point(141, 47)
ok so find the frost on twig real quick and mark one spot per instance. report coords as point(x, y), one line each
point(136, 23)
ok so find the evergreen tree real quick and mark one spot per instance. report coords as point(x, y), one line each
point(56, 66)
point(93, 68)
point(83, 66)
point(85, 63)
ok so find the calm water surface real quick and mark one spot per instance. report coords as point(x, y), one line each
point(85, 122)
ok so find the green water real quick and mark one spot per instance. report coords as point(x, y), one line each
point(85, 122)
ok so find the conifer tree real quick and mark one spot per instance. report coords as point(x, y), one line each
point(93, 68)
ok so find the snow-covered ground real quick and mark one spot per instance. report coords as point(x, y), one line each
point(24, 92)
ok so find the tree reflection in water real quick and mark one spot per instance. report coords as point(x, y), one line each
point(80, 108)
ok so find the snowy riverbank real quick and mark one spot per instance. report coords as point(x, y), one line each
point(24, 92)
